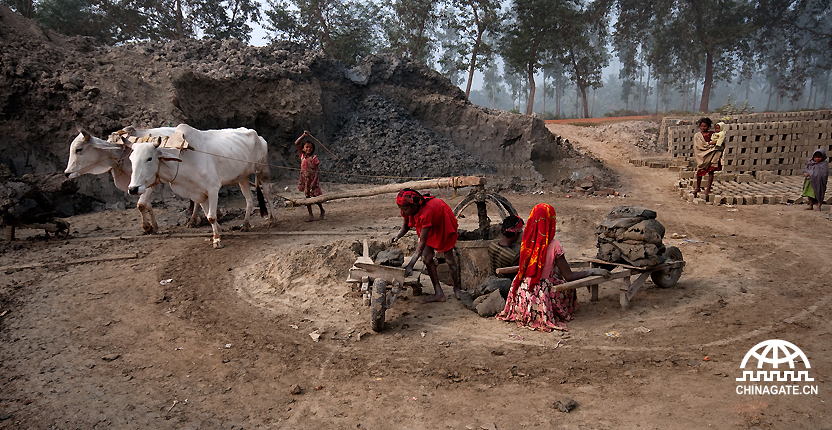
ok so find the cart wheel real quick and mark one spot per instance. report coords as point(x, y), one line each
point(668, 277)
point(379, 304)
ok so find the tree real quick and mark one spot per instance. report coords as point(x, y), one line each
point(585, 54)
point(632, 26)
point(532, 28)
point(23, 7)
point(794, 39)
point(690, 34)
point(472, 22)
point(346, 31)
point(409, 28)
point(225, 19)
point(492, 84)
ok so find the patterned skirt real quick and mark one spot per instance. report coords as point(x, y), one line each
point(540, 307)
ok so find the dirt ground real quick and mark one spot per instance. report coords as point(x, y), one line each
point(110, 344)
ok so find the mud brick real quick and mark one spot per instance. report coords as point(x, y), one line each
point(686, 175)
point(745, 177)
point(725, 177)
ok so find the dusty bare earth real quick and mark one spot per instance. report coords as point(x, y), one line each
point(106, 344)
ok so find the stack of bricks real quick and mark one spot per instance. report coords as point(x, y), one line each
point(743, 189)
point(778, 142)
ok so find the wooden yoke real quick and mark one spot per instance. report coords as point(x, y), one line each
point(450, 182)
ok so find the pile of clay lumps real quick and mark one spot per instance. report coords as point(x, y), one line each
point(631, 235)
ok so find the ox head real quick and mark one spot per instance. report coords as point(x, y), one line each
point(88, 154)
point(147, 158)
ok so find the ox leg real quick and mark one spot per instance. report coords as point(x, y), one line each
point(245, 187)
point(194, 220)
point(210, 208)
point(146, 209)
point(264, 178)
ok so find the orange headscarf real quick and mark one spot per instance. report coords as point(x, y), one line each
point(539, 232)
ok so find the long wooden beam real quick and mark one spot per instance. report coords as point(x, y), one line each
point(450, 182)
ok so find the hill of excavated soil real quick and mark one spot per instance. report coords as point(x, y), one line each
point(388, 116)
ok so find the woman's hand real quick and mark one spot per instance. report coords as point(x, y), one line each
point(597, 271)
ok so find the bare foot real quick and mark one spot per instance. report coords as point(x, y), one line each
point(310, 219)
point(707, 191)
point(437, 297)
point(809, 208)
point(323, 215)
point(458, 293)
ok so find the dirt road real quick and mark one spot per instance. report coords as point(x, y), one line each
point(109, 344)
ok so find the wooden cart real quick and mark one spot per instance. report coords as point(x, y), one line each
point(381, 285)
point(664, 275)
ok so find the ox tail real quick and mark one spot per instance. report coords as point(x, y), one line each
point(261, 201)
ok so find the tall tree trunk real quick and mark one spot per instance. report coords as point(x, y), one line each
point(557, 99)
point(809, 99)
point(657, 97)
point(530, 101)
point(709, 79)
point(695, 91)
point(180, 29)
point(768, 103)
point(592, 110)
point(646, 91)
point(471, 73)
point(582, 87)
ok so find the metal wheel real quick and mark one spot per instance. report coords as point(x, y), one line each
point(379, 304)
point(668, 277)
point(501, 203)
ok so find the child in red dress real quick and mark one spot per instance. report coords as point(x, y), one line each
point(309, 182)
point(436, 226)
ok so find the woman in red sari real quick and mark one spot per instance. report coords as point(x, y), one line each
point(436, 226)
point(533, 301)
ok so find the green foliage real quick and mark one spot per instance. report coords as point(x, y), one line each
point(626, 112)
point(468, 43)
point(730, 107)
point(23, 7)
point(225, 19)
point(347, 31)
point(409, 27)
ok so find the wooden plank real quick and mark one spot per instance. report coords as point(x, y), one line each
point(373, 271)
point(450, 182)
point(594, 280)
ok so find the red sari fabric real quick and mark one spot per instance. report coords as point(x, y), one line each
point(309, 183)
point(437, 215)
point(532, 301)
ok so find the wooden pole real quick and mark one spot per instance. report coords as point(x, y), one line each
point(451, 182)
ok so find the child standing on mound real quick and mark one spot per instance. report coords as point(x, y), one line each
point(436, 226)
point(309, 182)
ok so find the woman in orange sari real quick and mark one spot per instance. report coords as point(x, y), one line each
point(533, 301)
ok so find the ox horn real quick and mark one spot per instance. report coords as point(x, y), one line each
point(157, 141)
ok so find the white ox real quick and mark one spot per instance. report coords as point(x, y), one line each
point(217, 158)
point(89, 154)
